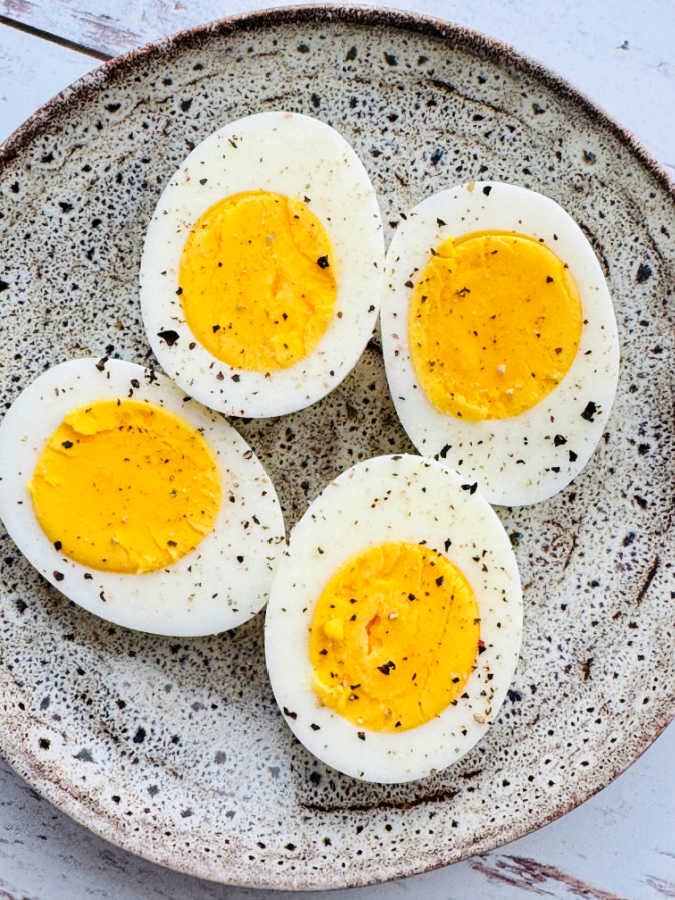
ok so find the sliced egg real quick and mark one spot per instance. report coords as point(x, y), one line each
point(394, 622)
point(499, 338)
point(136, 502)
point(263, 263)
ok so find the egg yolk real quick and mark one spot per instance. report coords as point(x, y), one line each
point(257, 281)
point(394, 637)
point(123, 486)
point(494, 324)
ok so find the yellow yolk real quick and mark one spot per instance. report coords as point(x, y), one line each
point(124, 486)
point(257, 281)
point(394, 637)
point(494, 325)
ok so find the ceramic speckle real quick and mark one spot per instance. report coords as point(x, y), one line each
point(175, 748)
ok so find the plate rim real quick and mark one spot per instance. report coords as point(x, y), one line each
point(18, 756)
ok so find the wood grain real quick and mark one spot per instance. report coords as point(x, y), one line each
point(537, 878)
point(112, 28)
point(32, 71)
point(91, 29)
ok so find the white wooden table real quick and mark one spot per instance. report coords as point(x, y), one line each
point(621, 843)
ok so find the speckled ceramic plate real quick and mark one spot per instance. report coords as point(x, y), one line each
point(175, 748)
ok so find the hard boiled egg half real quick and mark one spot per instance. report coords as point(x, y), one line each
point(262, 269)
point(394, 622)
point(499, 339)
point(136, 502)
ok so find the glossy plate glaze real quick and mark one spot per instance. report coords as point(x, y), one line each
point(174, 748)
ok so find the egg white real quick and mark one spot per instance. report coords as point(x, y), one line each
point(293, 155)
point(204, 592)
point(513, 461)
point(393, 498)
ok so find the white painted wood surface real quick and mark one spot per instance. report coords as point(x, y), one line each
point(32, 71)
point(620, 844)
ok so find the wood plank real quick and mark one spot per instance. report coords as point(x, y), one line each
point(92, 30)
point(32, 71)
point(621, 60)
